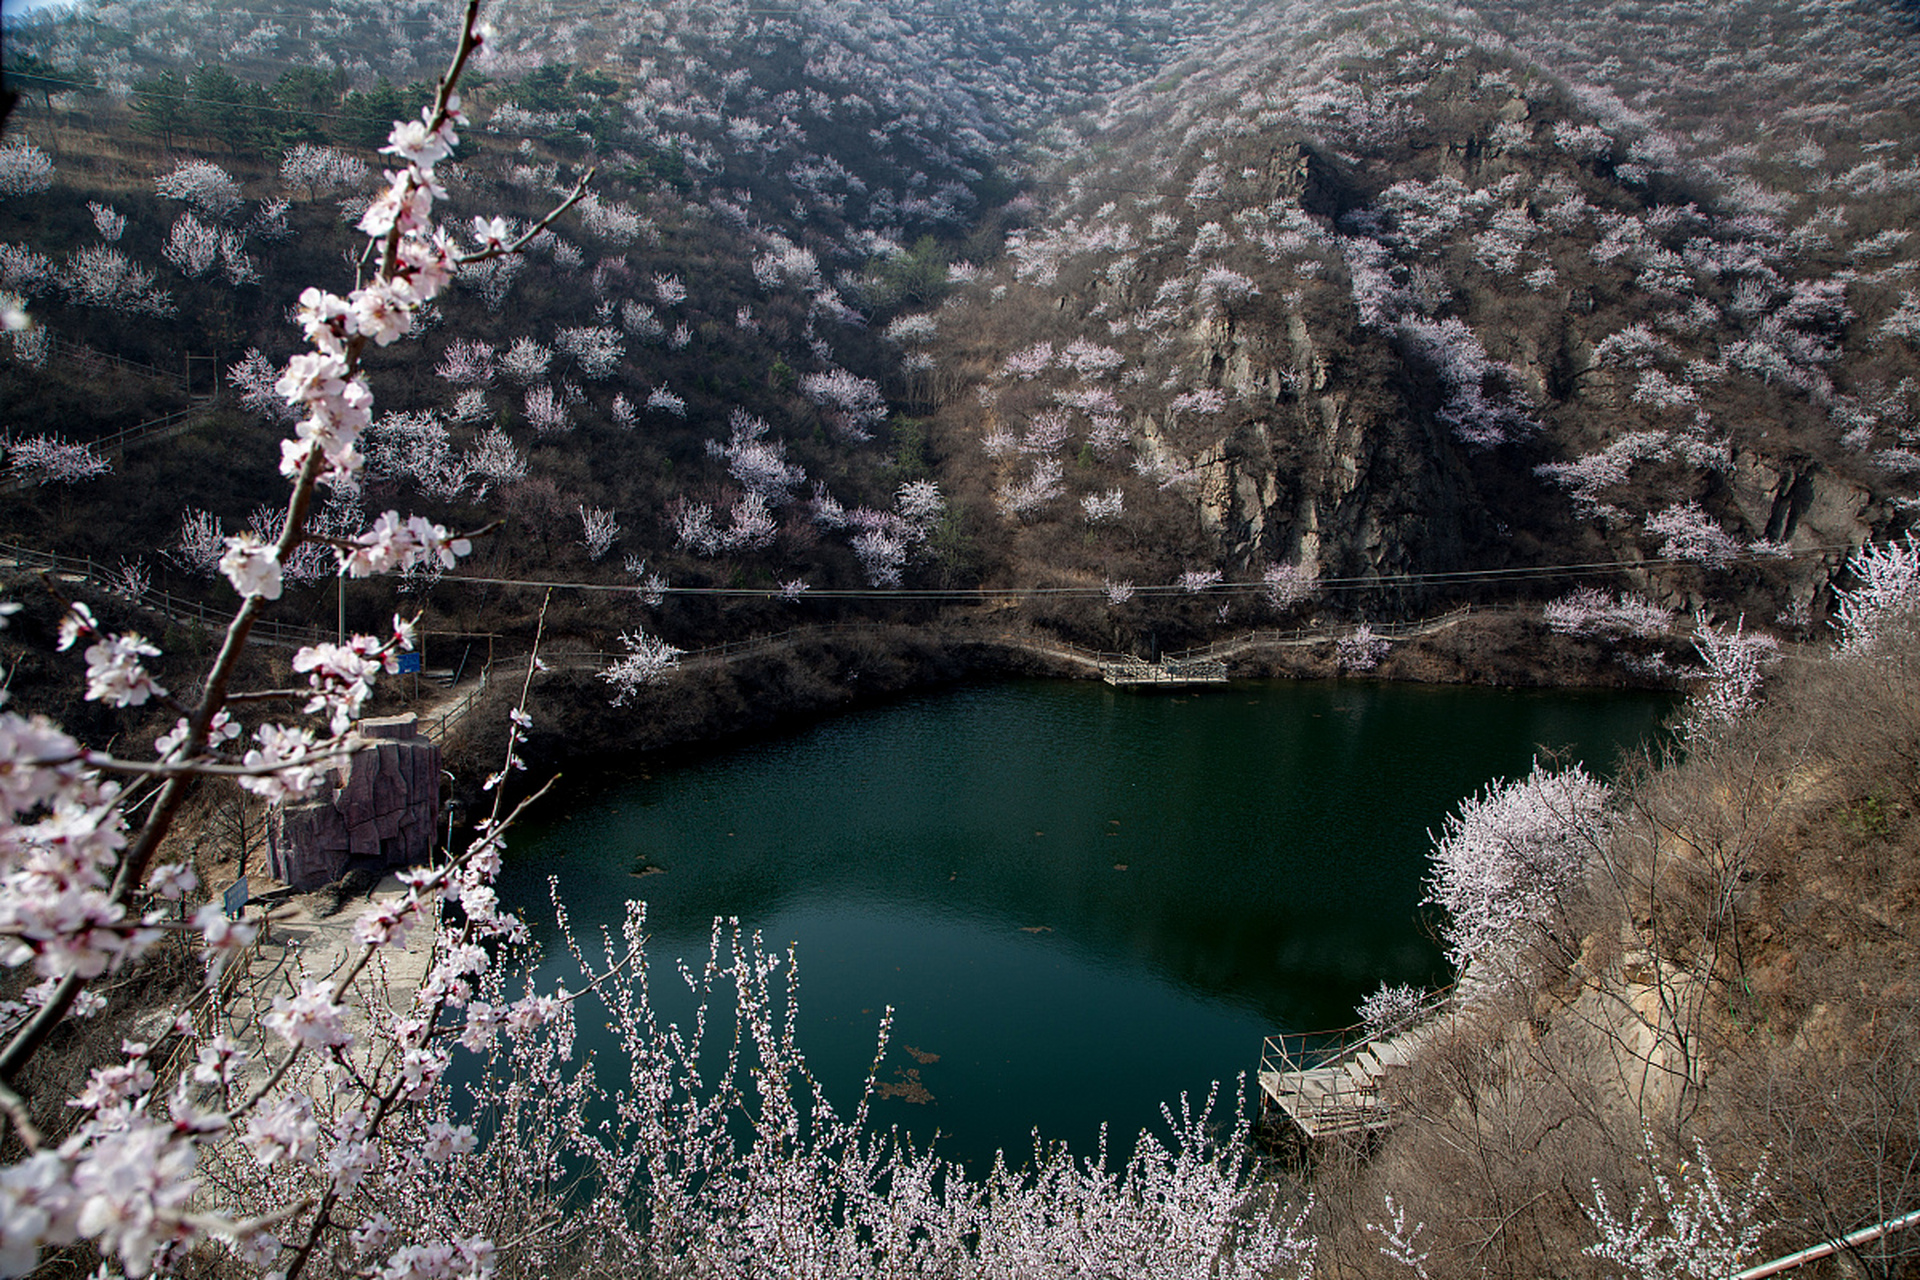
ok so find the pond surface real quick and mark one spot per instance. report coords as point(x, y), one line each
point(1080, 902)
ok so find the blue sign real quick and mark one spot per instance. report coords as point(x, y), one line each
point(409, 664)
point(234, 900)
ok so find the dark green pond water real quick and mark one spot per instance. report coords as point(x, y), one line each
point(1083, 901)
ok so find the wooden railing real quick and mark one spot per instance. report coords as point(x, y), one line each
point(1198, 659)
point(84, 355)
point(171, 425)
point(167, 605)
point(1314, 635)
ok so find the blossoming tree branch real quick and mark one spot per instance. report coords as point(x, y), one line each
point(83, 895)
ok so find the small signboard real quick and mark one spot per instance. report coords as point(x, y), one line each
point(409, 664)
point(234, 901)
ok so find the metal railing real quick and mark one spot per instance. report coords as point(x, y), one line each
point(1296, 1059)
point(1826, 1249)
point(441, 725)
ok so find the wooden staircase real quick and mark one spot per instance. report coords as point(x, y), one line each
point(1330, 1084)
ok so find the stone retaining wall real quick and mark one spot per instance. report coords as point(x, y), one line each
point(381, 809)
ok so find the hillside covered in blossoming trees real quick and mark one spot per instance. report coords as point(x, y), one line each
point(1191, 319)
point(1048, 325)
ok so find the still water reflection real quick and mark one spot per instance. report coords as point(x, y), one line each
point(1081, 902)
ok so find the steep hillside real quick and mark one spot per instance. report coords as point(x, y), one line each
point(683, 387)
point(1702, 1054)
point(1180, 317)
point(1375, 292)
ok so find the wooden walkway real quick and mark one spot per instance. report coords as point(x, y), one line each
point(1168, 672)
point(177, 423)
point(1330, 1084)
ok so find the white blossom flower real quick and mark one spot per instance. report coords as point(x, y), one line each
point(284, 1131)
point(252, 567)
point(172, 881)
point(310, 1019)
point(115, 674)
point(77, 623)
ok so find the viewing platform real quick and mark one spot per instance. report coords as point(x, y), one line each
point(1168, 672)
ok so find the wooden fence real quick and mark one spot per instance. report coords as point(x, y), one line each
point(167, 605)
point(88, 358)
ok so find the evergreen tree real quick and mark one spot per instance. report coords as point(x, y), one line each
point(226, 109)
point(305, 96)
point(368, 115)
point(160, 107)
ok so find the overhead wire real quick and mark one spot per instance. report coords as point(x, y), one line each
point(1451, 577)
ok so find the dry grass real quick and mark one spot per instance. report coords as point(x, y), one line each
point(1741, 971)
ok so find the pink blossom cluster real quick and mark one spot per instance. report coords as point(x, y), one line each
point(647, 660)
point(1589, 611)
point(468, 362)
point(884, 541)
point(1025, 497)
point(1464, 368)
point(100, 276)
point(759, 464)
point(547, 412)
point(750, 526)
point(1194, 581)
point(195, 248)
point(1286, 585)
point(1586, 478)
point(851, 404)
point(1884, 596)
point(1103, 508)
point(1730, 677)
point(203, 185)
point(598, 530)
point(110, 224)
point(1201, 400)
point(24, 168)
point(1028, 362)
point(321, 168)
point(47, 459)
point(254, 377)
point(663, 400)
point(742, 1166)
point(596, 349)
point(1046, 432)
point(1503, 859)
point(1361, 650)
point(525, 362)
point(1687, 532)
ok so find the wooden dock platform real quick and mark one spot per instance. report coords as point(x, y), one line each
point(1168, 672)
